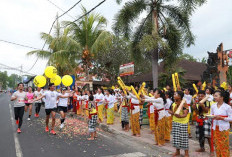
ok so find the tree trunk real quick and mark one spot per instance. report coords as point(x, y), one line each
point(155, 53)
point(154, 59)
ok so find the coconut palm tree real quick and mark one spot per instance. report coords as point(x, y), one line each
point(91, 34)
point(163, 32)
point(64, 52)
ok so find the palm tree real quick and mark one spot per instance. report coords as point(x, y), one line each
point(90, 33)
point(63, 53)
point(162, 33)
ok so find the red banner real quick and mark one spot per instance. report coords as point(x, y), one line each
point(126, 69)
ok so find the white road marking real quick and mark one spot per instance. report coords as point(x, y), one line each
point(135, 154)
point(16, 140)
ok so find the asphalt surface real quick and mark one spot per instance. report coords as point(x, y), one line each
point(35, 142)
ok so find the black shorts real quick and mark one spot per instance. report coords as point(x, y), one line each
point(62, 108)
point(48, 111)
point(28, 104)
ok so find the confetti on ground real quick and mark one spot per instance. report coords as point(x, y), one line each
point(73, 127)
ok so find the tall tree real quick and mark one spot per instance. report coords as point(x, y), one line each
point(162, 33)
point(64, 52)
point(90, 33)
point(3, 79)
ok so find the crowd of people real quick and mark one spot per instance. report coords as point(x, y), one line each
point(169, 112)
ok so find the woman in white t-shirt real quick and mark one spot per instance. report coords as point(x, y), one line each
point(63, 106)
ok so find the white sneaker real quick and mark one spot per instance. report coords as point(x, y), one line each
point(28, 118)
point(61, 125)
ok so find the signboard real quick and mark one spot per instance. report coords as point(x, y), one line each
point(126, 69)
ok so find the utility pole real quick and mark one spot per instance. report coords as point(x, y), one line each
point(21, 72)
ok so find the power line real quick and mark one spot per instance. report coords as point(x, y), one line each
point(59, 8)
point(51, 29)
point(10, 42)
point(90, 10)
point(73, 21)
point(13, 68)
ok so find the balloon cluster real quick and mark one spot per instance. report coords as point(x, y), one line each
point(51, 73)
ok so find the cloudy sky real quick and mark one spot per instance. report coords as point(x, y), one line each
point(23, 20)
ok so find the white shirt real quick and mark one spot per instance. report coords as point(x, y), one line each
point(63, 101)
point(101, 98)
point(20, 100)
point(50, 99)
point(158, 104)
point(188, 100)
point(152, 108)
point(210, 98)
point(231, 97)
point(134, 100)
point(38, 94)
point(110, 100)
point(167, 106)
point(224, 110)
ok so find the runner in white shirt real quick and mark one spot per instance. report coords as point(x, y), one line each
point(19, 97)
point(50, 105)
point(38, 93)
point(63, 106)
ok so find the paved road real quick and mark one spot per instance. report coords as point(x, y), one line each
point(34, 142)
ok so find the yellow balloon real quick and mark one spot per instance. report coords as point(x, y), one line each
point(39, 81)
point(56, 80)
point(50, 71)
point(67, 80)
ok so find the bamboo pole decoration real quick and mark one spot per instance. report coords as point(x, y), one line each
point(150, 95)
point(174, 82)
point(195, 88)
point(123, 87)
point(180, 107)
point(135, 93)
point(177, 81)
point(203, 86)
point(141, 88)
